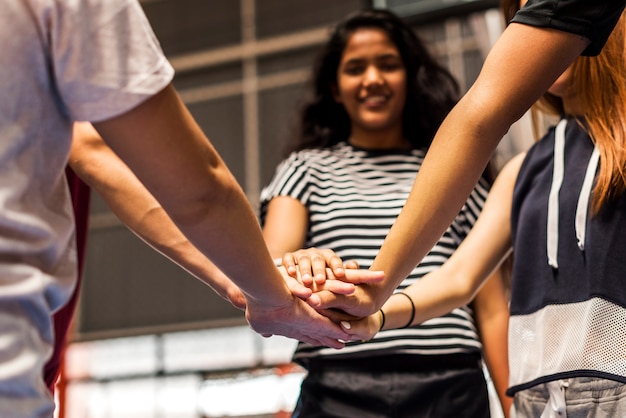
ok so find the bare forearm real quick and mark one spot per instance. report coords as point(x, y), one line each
point(169, 154)
point(158, 231)
point(509, 83)
point(199, 193)
point(430, 297)
point(129, 200)
point(456, 282)
point(434, 295)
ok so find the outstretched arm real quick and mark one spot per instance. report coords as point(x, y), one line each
point(456, 282)
point(521, 66)
point(93, 161)
point(168, 152)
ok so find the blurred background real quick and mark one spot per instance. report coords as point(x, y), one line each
point(151, 341)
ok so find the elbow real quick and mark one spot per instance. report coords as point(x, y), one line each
point(489, 114)
point(465, 288)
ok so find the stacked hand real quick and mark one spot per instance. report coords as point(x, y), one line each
point(300, 317)
point(320, 290)
point(342, 292)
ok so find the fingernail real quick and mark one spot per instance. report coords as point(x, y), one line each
point(346, 324)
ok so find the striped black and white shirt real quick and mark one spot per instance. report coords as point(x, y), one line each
point(353, 197)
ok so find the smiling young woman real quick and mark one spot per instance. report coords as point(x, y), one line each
point(371, 86)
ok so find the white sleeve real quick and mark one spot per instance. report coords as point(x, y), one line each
point(106, 57)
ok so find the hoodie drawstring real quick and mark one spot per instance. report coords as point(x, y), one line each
point(582, 207)
point(583, 199)
point(553, 198)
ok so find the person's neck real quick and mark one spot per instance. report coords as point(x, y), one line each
point(571, 106)
point(379, 140)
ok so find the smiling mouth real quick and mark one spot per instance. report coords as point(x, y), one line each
point(375, 101)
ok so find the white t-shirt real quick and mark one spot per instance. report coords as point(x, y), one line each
point(62, 60)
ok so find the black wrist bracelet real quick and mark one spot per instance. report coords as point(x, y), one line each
point(412, 309)
point(382, 319)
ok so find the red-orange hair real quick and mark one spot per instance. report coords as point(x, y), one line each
point(600, 86)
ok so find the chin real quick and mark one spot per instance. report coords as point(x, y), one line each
point(375, 123)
